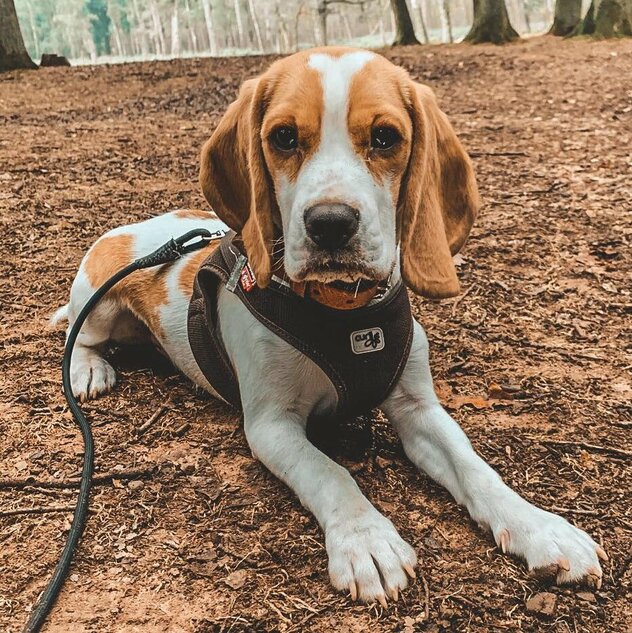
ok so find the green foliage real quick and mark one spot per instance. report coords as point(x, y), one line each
point(126, 27)
point(100, 25)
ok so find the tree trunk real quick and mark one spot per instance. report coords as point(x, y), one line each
point(255, 24)
point(210, 29)
point(446, 22)
point(175, 32)
point(607, 18)
point(568, 13)
point(322, 10)
point(159, 34)
point(347, 25)
point(117, 39)
point(191, 28)
point(491, 23)
point(33, 30)
point(13, 53)
point(299, 11)
point(418, 4)
point(240, 24)
point(404, 30)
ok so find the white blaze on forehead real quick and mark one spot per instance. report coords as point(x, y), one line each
point(336, 74)
point(337, 173)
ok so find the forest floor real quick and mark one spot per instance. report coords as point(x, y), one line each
point(530, 359)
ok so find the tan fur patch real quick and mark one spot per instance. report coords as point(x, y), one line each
point(375, 100)
point(142, 293)
point(195, 214)
point(108, 256)
point(296, 102)
point(193, 262)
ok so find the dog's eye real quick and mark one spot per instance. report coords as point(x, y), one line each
point(285, 138)
point(384, 137)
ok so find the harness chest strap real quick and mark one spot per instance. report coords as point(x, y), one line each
point(362, 351)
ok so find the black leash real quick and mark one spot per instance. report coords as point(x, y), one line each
point(169, 252)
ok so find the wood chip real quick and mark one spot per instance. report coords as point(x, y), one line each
point(544, 603)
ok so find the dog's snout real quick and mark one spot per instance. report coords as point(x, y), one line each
point(331, 226)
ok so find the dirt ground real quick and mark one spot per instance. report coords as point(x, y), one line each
point(187, 532)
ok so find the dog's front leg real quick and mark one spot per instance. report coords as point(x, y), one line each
point(436, 444)
point(367, 557)
point(280, 388)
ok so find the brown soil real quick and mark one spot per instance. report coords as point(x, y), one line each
point(207, 540)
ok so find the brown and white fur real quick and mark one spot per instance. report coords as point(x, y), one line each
point(415, 203)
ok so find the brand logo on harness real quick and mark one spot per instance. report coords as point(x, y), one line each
point(365, 341)
point(247, 278)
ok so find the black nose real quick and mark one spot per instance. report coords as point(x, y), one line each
point(331, 226)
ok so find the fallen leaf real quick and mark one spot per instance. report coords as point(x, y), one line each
point(478, 402)
point(499, 392)
point(442, 389)
point(544, 603)
point(206, 570)
point(586, 596)
point(237, 579)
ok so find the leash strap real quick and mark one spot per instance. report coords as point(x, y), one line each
point(168, 252)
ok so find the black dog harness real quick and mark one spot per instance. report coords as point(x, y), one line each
point(362, 351)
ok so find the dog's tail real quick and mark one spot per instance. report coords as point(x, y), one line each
point(59, 316)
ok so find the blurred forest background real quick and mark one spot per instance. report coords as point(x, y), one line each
point(91, 31)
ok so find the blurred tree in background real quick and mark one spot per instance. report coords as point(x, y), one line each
point(111, 30)
point(607, 18)
point(491, 23)
point(12, 51)
point(404, 29)
point(568, 13)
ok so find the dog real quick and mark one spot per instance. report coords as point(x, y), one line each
point(343, 180)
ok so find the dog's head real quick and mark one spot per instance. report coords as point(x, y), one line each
point(346, 158)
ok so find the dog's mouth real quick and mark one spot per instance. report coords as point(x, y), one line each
point(360, 285)
point(344, 273)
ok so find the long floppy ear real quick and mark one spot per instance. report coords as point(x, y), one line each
point(438, 201)
point(235, 179)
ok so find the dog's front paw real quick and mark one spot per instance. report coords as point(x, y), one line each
point(91, 376)
point(368, 558)
point(552, 546)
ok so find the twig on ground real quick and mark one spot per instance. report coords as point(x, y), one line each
point(510, 154)
point(155, 416)
point(100, 478)
point(426, 598)
point(461, 297)
point(36, 510)
point(576, 510)
point(589, 447)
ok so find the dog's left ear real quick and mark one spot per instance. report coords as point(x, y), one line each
point(438, 199)
point(235, 178)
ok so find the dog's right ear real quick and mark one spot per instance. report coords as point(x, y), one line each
point(235, 179)
point(224, 174)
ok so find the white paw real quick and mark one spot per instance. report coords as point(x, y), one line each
point(368, 558)
point(91, 376)
point(552, 546)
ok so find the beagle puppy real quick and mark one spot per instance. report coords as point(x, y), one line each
point(336, 169)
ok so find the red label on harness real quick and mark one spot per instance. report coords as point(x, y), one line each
point(247, 278)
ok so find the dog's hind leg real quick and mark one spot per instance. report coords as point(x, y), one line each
point(90, 374)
